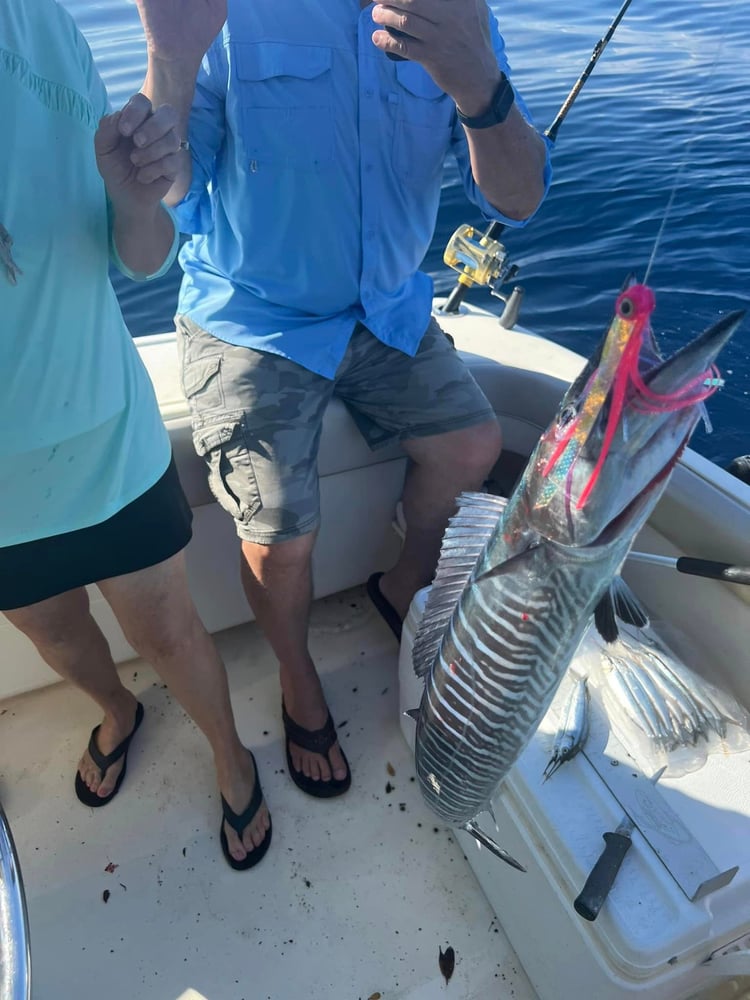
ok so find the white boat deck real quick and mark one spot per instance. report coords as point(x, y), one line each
point(353, 900)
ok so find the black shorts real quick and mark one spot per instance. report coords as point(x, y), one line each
point(150, 529)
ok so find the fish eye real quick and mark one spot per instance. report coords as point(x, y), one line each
point(625, 307)
point(568, 414)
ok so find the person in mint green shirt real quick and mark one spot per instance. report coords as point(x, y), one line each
point(89, 493)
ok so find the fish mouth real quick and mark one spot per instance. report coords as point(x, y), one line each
point(623, 424)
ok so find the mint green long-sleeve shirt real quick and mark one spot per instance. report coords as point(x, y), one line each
point(80, 431)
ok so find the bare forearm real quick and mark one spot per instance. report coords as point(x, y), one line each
point(173, 83)
point(142, 237)
point(507, 162)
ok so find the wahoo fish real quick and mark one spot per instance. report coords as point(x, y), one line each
point(518, 581)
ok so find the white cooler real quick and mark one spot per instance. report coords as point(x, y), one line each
point(648, 939)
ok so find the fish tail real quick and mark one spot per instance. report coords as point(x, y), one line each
point(481, 838)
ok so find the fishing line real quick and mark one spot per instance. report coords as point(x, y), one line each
point(701, 117)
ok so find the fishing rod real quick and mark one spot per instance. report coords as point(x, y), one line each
point(484, 261)
point(708, 568)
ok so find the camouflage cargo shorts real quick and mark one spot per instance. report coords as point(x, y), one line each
point(257, 417)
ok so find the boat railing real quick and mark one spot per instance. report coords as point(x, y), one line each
point(15, 954)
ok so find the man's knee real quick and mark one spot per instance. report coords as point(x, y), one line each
point(485, 444)
point(283, 556)
point(469, 453)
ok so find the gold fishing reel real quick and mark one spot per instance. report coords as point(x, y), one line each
point(479, 259)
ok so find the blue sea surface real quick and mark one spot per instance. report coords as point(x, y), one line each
point(658, 137)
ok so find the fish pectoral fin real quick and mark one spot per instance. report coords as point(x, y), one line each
point(481, 838)
point(619, 602)
point(628, 607)
point(604, 618)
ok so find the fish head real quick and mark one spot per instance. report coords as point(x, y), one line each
point(605, 459)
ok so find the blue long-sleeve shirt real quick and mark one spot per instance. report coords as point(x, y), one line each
point(317, 168)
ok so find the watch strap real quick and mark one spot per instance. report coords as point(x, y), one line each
point(502, 102)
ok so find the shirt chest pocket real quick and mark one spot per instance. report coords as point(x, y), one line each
point(285, 95)
point(424, 126)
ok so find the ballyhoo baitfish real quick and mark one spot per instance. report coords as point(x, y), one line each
point(574, 727)
point(518, 582)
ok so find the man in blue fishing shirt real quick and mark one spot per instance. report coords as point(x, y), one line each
point(314, 141)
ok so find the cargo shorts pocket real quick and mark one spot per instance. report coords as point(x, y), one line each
point(201, 384)
point(231, 476)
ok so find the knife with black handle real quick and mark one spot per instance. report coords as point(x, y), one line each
point(591, 898)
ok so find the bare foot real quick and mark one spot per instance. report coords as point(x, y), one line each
point(114, 728)
point(306, 705)
point(238, 791)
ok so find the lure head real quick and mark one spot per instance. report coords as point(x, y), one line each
point(604, 461)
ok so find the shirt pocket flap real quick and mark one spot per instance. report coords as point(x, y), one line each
point(264, 60)
point(418, 81)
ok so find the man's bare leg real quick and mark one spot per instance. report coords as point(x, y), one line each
point(278, 585)
point(441, 467)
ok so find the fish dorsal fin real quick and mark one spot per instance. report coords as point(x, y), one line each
point(619, 602)
point(467, 533)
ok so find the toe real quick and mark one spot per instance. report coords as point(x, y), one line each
point(235, 845)
point(254, 834)
point(108, 782)
point(89, 773)
point(323, 768)
point(305, 762)
point(338, 765)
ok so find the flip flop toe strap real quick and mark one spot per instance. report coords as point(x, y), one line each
point(238, 822)
point(313, 740)
point(105, 761)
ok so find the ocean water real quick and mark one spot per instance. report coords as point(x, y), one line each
point(658, 140)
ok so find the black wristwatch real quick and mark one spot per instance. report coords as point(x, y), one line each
point(502, 102)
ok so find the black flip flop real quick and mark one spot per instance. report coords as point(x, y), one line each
point(104, 762)
point(317, 741)
point(238, 824)
point(386, 609)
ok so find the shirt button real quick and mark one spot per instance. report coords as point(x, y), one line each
point(369, 92)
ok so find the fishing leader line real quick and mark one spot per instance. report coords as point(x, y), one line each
point(702, 116)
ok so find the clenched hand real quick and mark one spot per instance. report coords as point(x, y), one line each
point(136, 153)
point(449, 38)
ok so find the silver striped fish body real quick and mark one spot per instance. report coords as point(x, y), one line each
point(15, 956)
point(509, 642)
point(516, 585)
